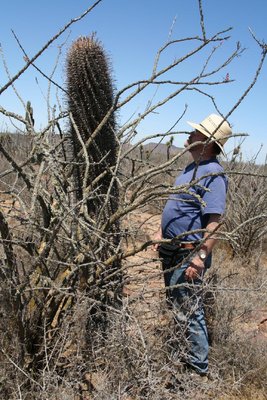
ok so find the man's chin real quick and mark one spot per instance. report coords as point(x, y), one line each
point(186, 144)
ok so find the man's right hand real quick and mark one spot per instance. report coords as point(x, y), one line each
point(194, 270)
point(157, 237)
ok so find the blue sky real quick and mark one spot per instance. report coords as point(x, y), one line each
point(132, 31)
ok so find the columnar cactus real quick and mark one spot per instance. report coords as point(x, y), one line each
point(29, 117)
point(93, 137)
point(90, 97)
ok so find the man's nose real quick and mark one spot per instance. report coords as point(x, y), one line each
point(191, 133)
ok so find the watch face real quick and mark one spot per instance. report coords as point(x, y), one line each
point(202, 255)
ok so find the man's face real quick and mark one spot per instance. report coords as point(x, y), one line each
point(194, 137)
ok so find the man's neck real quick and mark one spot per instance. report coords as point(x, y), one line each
point(202, 157)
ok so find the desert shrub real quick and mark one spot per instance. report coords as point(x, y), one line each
point(238, 348)
point(246, 213)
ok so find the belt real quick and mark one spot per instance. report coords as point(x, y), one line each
point(168, 249)
point(188, 246)
point(176, 245)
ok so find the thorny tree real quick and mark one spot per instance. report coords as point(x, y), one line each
point(65, 200)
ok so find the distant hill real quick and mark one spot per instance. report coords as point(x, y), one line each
point(161, 148)
point(157, 151)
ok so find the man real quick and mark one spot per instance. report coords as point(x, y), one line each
point(190, 220)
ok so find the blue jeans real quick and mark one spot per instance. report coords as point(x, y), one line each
point(186, 301)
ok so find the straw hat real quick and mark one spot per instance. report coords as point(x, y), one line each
point(209, 127)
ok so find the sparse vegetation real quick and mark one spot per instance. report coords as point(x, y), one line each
point(81, 297)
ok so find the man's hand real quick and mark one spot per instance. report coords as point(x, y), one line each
point(195, 269)
point(157, 236)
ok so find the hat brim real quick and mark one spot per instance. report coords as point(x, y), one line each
point(206, 133)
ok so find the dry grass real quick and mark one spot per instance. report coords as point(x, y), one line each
point(137, 355)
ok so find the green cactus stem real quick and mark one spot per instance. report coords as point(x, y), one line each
point(90, 98)
point(93, 136)
point(29, 117)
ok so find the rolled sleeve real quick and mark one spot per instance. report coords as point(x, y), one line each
point(215, 195)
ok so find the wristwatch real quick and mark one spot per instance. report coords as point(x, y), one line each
point(202, 254)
